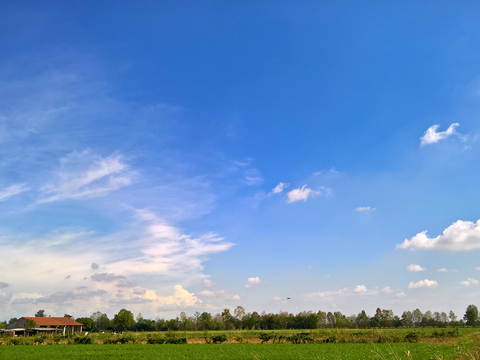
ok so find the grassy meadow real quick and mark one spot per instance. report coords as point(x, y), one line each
point(460, 344)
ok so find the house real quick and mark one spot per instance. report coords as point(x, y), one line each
point(44, 325)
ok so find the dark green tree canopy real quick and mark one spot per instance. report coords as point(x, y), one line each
point(40, 313)
point(471, 315)
point(124, 320)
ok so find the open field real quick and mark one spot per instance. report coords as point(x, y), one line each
point(234, 351)
point(460, 344)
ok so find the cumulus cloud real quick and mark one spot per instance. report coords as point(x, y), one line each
point(469, 282)
point(12, 190)
point(415, 268)
point(302, 193)
point(208, 283)
point(447, 270)
point(460, 236)
point(387, 290)
point(423, 284)
point(360, 289)
point(252, 282)
point(86, 176)
point(94, 266)
point(276, 298)
point(126, 283)
point(400, 295)
point(279, 188)
point(3, 285)
point(364, 209)
point(106, 277)
point(431, 136)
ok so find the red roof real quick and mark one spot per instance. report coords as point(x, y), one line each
point(53, 321)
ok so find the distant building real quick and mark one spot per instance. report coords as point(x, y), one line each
point(44, 325)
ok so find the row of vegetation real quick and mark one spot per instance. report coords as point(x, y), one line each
point(124, 320)
point(292, 337)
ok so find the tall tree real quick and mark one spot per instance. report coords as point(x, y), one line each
point(40, 313)
point(452, 317)
point(123, 320)
point(471, 315)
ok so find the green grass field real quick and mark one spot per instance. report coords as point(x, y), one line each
point(233, 351)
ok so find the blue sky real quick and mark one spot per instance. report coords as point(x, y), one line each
point(194, 156)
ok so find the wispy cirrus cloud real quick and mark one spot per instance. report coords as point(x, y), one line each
point(460, 236)
point(365, 209)
point(13, 190)
point(357, 291)
point(431, 136)
point(102, 176)
point(279, 188)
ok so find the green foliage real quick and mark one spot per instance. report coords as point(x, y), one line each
point(412, 336)
point(220, 338)
point(40, 313)
point(471, 315)
point(85, 340)
point(123, 320)
point(266, 337)
point(155, 339)
point(88, 324)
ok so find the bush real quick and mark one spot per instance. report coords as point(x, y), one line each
point(85, 340)
point(125, 338)
point(265, 337)
point(155, 339)
point(219, 338)
point(39, 339)
point(412, 337)
point(15, 341)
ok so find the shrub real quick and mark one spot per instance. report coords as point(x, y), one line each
point(83, 340)
point(265, 337)
point(220, 338)
point(155, 339)
point(412, 336)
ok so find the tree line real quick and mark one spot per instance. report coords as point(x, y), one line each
point(124, 320)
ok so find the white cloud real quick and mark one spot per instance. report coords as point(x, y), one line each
point(400, 295)
point(100, 178)
point(460, 236)
point(276, 298)
point(360, 289)
point(206, 293)
point(431, 136)
point(252, 281)
point(208, 283)
point(302, 193)
point(365, 209)
point(477, 268)
point(469, 282)
point(423, 284)
point(279, 188)
point(415, 268)
point(150, 251)
point(12, 190)
point(447, 270)
point(387, 290)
